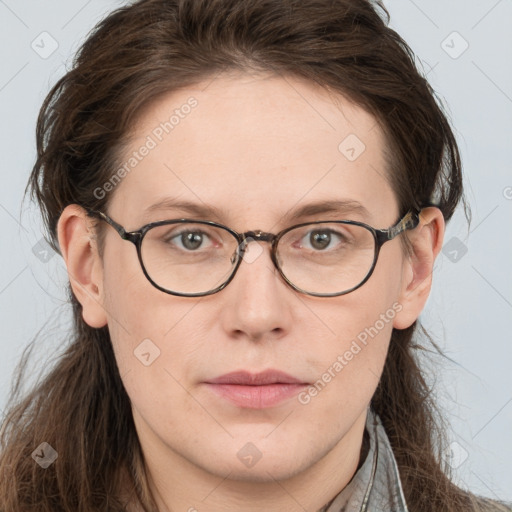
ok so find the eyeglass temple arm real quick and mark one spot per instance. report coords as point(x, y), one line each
point(410, 220)
point(122, 232)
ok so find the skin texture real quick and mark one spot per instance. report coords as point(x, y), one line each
point(254, 147)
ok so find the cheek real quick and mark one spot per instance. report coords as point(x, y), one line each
point(353, 341)
point(155, 336)
point(348, 367)
point(130, 301)
point(357, 349)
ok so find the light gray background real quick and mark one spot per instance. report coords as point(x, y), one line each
point(470, 309)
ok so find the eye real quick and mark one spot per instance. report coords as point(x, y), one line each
point(324, 238)
point(190, 239)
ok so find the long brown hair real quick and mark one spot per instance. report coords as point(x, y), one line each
point(153, 47)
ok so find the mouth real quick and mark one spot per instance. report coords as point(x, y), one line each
point(256, 391)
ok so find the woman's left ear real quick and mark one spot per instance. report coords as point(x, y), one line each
point(426, 241)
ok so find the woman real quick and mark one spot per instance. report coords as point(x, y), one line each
point(285, 176)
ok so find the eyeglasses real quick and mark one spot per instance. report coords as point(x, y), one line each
point(192, 258)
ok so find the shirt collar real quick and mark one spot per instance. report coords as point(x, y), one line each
point(376, 486)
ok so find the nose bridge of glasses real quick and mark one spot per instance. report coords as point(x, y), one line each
point(259, 236)
point(252, 236)
point(256, 236)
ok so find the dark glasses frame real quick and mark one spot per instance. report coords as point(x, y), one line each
point(409, 221)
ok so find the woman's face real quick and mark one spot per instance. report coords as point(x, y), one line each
point(255, 149)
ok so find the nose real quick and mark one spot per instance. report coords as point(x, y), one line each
point(258, 301)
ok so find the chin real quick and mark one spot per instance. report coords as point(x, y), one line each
point(264, 472)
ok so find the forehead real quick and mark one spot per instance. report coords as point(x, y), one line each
point(254, 146)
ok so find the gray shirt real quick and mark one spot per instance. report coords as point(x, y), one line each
point(375, 487)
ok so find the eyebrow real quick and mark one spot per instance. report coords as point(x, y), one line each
point(340, 207)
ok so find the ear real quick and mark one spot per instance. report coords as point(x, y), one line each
point(426, 241)
point(78, 247)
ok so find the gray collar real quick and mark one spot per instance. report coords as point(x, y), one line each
point(375, 487)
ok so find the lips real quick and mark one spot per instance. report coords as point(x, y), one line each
point(256, 391)
point(256, 379)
